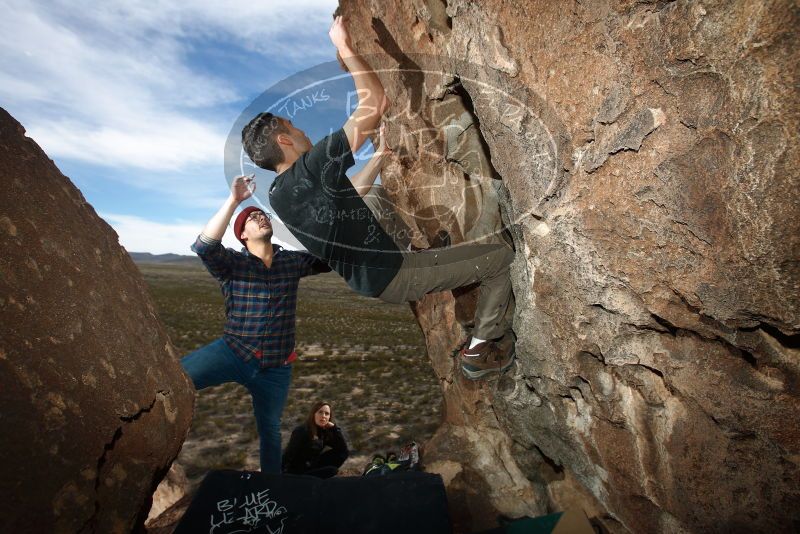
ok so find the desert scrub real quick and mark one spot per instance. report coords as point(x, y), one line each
point(369, 361)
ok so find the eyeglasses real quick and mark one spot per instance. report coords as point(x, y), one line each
point(257, 216)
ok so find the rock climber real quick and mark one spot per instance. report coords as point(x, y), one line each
point(325, 211)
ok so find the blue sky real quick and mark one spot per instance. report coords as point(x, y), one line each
point(134, 100)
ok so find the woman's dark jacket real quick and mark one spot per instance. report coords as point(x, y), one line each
point(304, 452)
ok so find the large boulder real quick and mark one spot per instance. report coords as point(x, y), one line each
point(93, 403)
point(644, 155)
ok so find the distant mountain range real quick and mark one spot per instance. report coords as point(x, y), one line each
point(176, 259)
point(182, 259)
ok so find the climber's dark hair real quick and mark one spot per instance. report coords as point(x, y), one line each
point(259, 140)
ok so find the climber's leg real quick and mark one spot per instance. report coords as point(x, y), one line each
point(429, 271)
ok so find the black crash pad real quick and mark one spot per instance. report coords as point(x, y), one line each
point(230, 502)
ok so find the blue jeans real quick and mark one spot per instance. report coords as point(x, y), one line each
point(216, 364)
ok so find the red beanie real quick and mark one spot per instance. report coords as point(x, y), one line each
point(241, 219)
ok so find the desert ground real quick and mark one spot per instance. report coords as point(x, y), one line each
point(365, 357)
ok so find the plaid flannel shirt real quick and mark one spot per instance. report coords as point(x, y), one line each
point(260, 302)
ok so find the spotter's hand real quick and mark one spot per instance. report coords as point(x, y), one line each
point(243, 187)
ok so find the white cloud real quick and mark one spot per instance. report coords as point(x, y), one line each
point(111, 83)
point(137, 234)
point(289, 28)
point(140, 235)
point(175, 144)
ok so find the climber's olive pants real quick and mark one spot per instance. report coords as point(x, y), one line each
point(428, 271)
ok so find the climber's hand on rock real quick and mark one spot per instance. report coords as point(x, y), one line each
point(243, 187)
point(340, 37)
point(383, 149)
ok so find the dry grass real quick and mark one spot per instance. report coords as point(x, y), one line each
point(364, 356)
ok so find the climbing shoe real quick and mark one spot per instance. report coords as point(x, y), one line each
point(494, 356)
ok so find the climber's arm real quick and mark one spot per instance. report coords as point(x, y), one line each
point(365, 178)
point(372, 101)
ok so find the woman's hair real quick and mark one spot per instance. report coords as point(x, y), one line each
point(310, 423)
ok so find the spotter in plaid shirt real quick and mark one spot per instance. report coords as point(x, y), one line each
point(260, 303)
point(260, 289)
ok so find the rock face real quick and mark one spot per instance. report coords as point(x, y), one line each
point(646, 154)
point(93, 403)
point(172, 489)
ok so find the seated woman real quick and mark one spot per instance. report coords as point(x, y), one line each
point(317, 447)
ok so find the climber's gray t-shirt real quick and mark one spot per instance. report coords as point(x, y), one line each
point(317, 202)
